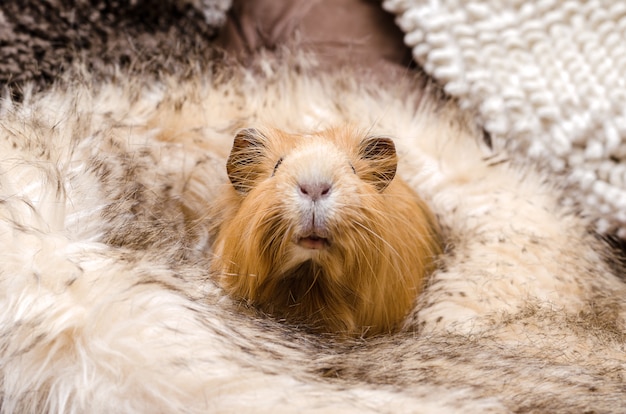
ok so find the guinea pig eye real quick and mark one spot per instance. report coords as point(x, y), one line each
point(280, 161)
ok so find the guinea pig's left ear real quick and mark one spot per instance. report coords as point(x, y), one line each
point(242, 165)
point(381, 158)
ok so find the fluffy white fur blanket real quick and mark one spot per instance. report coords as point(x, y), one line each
point(107, 305)
point(546, 79)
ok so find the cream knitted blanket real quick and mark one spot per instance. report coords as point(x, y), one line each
point(546, 80)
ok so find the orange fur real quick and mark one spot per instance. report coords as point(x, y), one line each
point(380, 239)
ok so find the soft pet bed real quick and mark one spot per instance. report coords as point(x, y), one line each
point(108, 306)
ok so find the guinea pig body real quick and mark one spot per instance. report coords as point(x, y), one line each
point(316, 230)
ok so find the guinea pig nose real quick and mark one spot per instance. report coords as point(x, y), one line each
point(315, 191)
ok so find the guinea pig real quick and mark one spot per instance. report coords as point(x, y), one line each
point(316, 230)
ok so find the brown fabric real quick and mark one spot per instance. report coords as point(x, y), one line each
point(341, 32)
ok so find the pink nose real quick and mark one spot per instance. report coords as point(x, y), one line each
point(315, 191)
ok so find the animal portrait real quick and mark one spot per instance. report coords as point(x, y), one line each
point(278, 207)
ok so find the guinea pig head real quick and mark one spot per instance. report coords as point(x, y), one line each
point(306, 226)
point(308, 185)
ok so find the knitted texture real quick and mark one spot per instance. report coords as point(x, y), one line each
point(546, 80)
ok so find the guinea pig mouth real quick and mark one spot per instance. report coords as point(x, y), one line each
point(313, 242)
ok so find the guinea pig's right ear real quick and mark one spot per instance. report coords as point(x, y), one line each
point(380, 156)
point(243, 162)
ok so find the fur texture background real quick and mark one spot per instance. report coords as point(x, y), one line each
point(107, 304)
point(39, 39)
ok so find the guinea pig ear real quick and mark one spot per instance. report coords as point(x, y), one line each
point(381, 158)
point(243, 162)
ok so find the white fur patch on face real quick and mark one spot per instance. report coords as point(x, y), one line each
point(319, 177)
